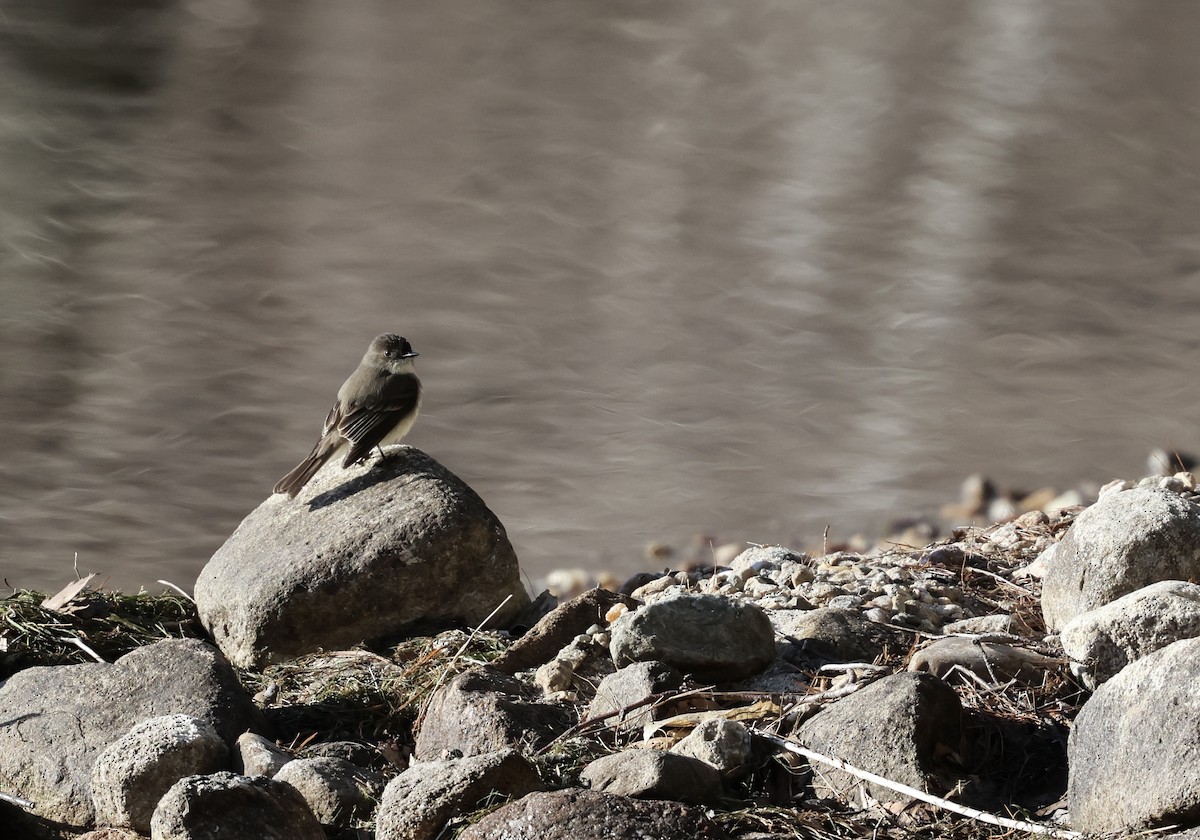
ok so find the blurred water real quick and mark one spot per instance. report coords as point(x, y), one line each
point(685, 267)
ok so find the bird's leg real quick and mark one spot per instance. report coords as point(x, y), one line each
point(382, 457)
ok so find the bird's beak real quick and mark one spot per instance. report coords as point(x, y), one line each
point(410, 355)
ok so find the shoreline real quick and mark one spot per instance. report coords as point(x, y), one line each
point(963, 616)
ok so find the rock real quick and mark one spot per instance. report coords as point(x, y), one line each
point(720, 743)
point(337, 792)
point(69, 713)
point(760, 558)
point(576, 814)
point(1123, 542)
point(555, 676)
point(629, 685)
point(638, 581)
point(537, 609)
point(366, 756)
point(228, 805)
point(1103, 641)
point(895, 727)
point(110, 834)
point(713, 637)
point(417, 804)
point(662, 586)
point(557, 628)
point(255, 755)
point(1132, 749)
point(575, 666)
point(482, 711)
point(993, 662)
point(652, 774)
point(988, 625)
point(366, 552)
point(829, 634)
point(134, 771)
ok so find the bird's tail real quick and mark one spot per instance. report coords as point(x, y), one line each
point(306, 469)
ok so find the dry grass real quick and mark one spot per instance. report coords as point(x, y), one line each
point(109, 623)
point(364, 694)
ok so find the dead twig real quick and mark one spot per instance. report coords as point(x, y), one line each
point(595, 723)
point(79, 643)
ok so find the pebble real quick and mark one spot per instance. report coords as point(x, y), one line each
point(845, 602)
point(919, 588)
point(757, 587)
point(802, 574)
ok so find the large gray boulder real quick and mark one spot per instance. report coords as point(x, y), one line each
point(1126, 540)
point(577, 814)
point(1103, 641)
point(362, 553)
point(134, 771)
point(710, 636)
point(1132, 749)
point(228, 805)
point(897, 728)
point(60, 718)
point(417, 804)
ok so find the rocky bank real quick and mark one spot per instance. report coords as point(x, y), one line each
point(1038, 669)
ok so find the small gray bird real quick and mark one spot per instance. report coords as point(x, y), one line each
point(375, 406)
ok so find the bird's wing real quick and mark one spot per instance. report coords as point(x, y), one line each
point(333, 419)
point(367, 423)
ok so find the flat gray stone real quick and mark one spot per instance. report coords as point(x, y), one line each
point(653, 774)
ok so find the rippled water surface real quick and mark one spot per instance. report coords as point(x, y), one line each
point(741, 269)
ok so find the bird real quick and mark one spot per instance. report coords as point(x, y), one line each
point(376, 405)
